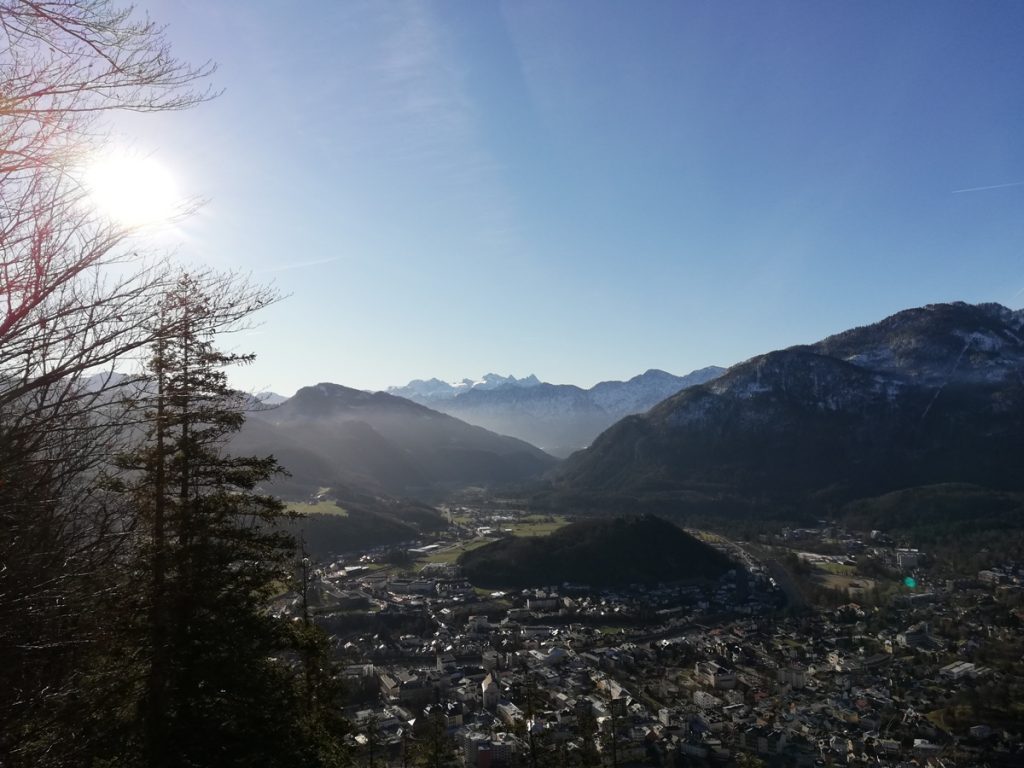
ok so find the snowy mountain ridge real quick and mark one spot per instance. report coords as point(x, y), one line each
point(561, 418)
point(427, 391)
point(926, 396)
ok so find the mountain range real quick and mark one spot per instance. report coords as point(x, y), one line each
point(330, 436)
point(431, 391)
point(927, 396)
point(560, 418)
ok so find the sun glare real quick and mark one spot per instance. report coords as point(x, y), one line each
point(132, 189)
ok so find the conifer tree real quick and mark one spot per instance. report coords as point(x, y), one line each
point(224, 683)
point(434, 747)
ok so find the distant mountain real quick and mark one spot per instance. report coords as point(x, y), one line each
point(329, 435)
point(560, 418)
point(433, 391)
point(269, 398)
point(927, 396)
point(600, 553)
point(104, 381)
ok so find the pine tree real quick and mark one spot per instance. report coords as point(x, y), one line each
point(434, 747)
point(227, 683)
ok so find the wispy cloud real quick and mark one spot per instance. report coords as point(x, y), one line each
point(993, 186)
point(299, 265)
point(427, 125)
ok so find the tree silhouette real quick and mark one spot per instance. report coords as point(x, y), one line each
point(225, 683)
point(63, 313)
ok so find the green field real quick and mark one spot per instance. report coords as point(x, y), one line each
point(838, 569)
point(319, 508)
point(451, 554)
point(707, 536)
point(536, 525)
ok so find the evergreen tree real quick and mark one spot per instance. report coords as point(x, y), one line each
point(586, 728)
point(61, 537)
point(226, 683)
point(434, 747)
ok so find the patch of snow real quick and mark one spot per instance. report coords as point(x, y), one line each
point(437, 390)
point(270, 398)
point(987, 342)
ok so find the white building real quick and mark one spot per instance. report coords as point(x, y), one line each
point(490, 693)
point(711, 674)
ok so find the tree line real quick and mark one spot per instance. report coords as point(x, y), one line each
point(137, 558)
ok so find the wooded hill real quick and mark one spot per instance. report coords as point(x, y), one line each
point(606, 552)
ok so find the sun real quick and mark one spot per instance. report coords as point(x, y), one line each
point(132, 189)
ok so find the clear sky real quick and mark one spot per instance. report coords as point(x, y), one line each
point(584, 190)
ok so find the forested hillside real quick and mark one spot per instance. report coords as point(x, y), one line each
point(137, 558)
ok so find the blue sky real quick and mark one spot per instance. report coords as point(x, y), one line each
point(584, 190)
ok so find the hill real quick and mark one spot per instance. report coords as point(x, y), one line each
point(561, 418)
point(362, 524)
point(928, 396)
point(605, 552)
point(329, 436)
point(933, 513)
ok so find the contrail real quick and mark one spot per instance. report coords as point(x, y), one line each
point(994, 186)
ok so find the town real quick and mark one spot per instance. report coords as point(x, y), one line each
point(822, 646)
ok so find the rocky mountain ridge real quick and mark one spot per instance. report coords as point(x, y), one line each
point(929, 395)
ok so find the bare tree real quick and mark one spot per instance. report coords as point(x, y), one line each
point(63, 64)
point(66, 62)
point(74, 298)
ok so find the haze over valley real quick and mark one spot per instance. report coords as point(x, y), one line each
point(560, 418)
point(488, 384)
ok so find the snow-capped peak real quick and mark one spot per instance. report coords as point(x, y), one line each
point(435, 389)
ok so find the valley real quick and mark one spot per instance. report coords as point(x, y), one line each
point(709, 669)
point(511, 385)
point(559, 418)
point(827, 588)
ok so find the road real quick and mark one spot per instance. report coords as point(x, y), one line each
point(789, 587)
point(794, 597)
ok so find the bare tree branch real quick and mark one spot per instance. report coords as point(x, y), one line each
point(75, 299)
